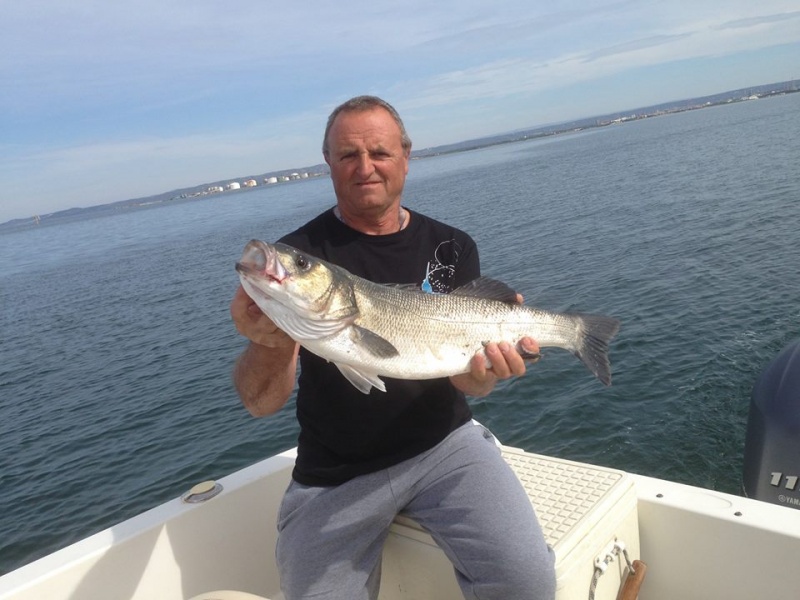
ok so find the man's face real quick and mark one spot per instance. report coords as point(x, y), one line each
point(367, 161)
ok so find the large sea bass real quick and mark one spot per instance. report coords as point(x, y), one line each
point(367, 329)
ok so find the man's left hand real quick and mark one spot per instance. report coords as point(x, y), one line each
point(506, 361)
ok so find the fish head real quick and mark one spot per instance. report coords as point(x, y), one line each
point(277, 274)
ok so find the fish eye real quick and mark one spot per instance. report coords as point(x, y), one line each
point(302, 262)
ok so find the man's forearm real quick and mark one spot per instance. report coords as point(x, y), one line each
point(264, 377)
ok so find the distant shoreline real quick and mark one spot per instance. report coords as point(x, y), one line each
point(247, 183)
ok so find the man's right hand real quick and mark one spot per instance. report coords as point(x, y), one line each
point(264, 373)
point(254, 324)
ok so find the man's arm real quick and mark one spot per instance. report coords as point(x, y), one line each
point(264, 373)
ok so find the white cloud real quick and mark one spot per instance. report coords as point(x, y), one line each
point(531, 75)
point(159, 93)
point(107, 171)
point(760, 20)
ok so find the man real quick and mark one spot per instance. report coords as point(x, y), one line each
point(414, 449)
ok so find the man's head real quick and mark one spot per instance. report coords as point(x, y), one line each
point(365, 103)
point(367, 149)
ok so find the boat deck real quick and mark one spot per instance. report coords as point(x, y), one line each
point(699, 544)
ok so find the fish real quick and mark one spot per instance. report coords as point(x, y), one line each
point(370, 330)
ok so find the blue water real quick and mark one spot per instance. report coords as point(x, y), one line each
point(117, 345)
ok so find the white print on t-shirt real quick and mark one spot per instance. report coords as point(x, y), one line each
point(437, 274)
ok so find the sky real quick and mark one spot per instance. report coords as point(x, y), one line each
point(103, 100)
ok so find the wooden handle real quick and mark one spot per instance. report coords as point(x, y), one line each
point(633, 582)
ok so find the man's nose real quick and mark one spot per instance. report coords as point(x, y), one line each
point(365, 166)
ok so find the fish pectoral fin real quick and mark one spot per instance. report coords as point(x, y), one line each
point(363, 381)
point(372, 342)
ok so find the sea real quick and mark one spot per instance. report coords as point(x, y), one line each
point(116, 343)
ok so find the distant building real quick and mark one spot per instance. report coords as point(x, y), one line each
point(270, 180)
point(233, 185)
point(215, 189)
point(250, 183)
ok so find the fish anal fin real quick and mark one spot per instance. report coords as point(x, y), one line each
point(488, 289)
point(372, 342)
point(363, 381)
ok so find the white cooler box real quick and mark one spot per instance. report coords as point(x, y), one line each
point(584, 510)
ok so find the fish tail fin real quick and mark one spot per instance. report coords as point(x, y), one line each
point(597, 331)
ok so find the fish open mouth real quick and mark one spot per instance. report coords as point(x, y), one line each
point(261, 259)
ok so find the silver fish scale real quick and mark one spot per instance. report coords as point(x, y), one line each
point(437, 335)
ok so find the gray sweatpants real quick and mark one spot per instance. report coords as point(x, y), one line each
point(462, 492)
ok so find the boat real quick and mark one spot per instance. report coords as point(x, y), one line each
point(217, 542)
point(616, 535)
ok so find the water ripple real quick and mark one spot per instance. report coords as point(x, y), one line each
point(115, 386)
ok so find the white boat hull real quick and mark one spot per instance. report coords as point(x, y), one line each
point(698, 544)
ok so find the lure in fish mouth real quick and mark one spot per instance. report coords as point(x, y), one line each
point(369, 330)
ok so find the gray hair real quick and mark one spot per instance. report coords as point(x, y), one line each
point(365, 103)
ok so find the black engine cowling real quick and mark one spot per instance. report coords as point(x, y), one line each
point(772, 446)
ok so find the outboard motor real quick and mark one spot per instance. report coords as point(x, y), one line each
point(772, 446)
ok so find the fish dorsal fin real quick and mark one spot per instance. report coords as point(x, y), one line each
point(363, 381)
point(487, 288)
point(372, 342)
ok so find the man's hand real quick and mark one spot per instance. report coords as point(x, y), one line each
point(506, 361)
point(254, 324)
point(264, 373)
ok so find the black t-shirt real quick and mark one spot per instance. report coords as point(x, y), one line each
point(343, 432)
